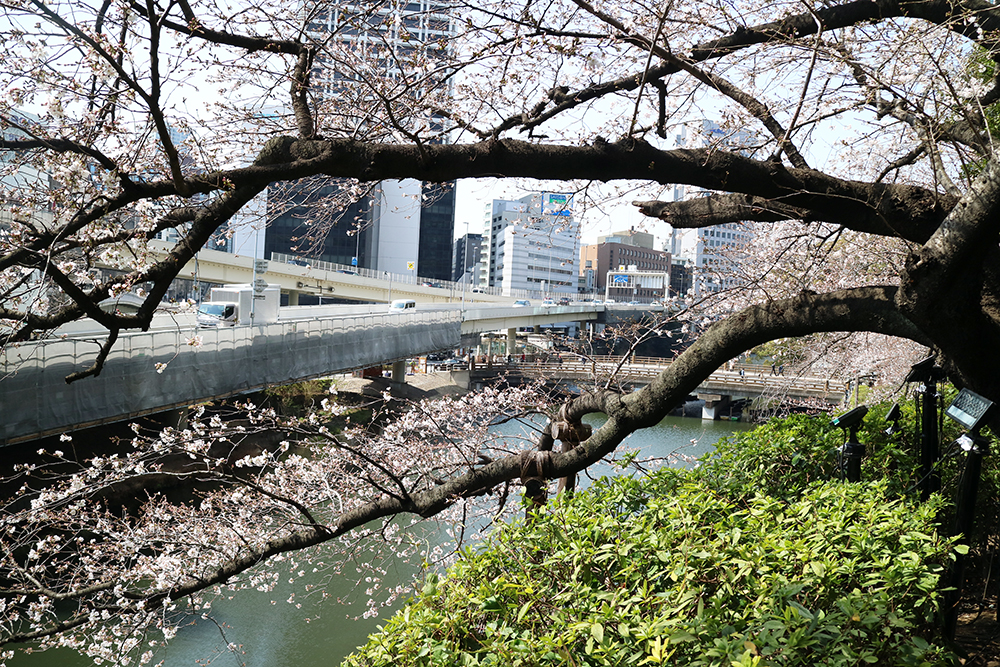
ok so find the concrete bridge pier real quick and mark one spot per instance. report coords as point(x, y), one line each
point(399, 371)
point(293, 298)
point(714, 404)
point(511, 341)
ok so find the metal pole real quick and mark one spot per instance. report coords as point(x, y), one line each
point(465, 262)
point(253, 281)
point(965, 514)
point(854, 451)
point(929, 476)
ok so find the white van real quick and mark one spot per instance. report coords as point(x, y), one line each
point(400, 305)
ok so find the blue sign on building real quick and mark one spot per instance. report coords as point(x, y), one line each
point(619, 279)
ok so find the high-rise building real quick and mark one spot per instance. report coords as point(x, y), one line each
point(713, 253)
point(398, 224)
point(465, 257)
point(532, 244)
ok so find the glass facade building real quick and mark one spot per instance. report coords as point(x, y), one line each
point(370, 47)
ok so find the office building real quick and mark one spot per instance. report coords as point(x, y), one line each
point(465, 258)
point(532, 245)
point(616, 256)
point(397, 224)
point(712, 253)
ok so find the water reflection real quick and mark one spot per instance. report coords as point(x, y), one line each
point(268, 631)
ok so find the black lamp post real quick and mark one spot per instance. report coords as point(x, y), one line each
point(970, 410)
point(927, 374)
point(851, 451)
point(893, 417)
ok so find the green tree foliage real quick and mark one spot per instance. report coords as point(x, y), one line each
point(982, 69)
point(757, 557)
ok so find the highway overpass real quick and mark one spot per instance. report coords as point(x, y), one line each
point(177, 365)
point(323, 279)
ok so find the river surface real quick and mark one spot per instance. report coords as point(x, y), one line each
point(269, 632)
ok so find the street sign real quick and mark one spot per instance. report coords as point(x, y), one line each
point(354, 261)
point(410, 266)
point(619, 280)
point(259, 285)
point(260, 266)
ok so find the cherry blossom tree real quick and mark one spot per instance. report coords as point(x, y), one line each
point(867, 166)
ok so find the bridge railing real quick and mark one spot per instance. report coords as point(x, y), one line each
point(647, 368)
point(412, 279)
point(79, 353)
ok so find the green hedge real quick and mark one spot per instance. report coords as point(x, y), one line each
point(783, 456)
point(670, 570)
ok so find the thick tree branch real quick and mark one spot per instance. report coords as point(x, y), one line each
point(891, 210)
point(721, 209)
point(300, 89)
point(249, 43)
point(61, 146)
point(950, 285)
point(955, 15)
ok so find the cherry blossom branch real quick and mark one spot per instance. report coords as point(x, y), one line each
point(250, 43)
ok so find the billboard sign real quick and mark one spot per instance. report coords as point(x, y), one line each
point(556, 203)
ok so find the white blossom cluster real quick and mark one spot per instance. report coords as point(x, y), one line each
point(134, 569)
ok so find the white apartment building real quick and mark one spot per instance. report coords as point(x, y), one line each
point(532, 244)
point(714, 252)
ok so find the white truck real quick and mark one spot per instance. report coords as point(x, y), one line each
point(239, 305)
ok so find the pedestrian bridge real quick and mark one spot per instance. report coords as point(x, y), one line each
point(743, 381)
point(179, 365)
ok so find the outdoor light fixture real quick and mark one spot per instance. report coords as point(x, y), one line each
point(893, 417)
point(925, 371)
point(851, 419)
point(971, 411)
point(852, 451)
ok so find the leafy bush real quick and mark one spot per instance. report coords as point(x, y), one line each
point(779, 458)
point(783, 456)
point(670, 571)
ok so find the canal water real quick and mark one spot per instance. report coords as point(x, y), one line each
point(267, 631)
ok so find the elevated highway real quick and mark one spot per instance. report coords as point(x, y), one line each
point(325, 280)
point(177, 365)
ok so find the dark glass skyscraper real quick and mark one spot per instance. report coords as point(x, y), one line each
point(294, 215)
point(403, 223)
